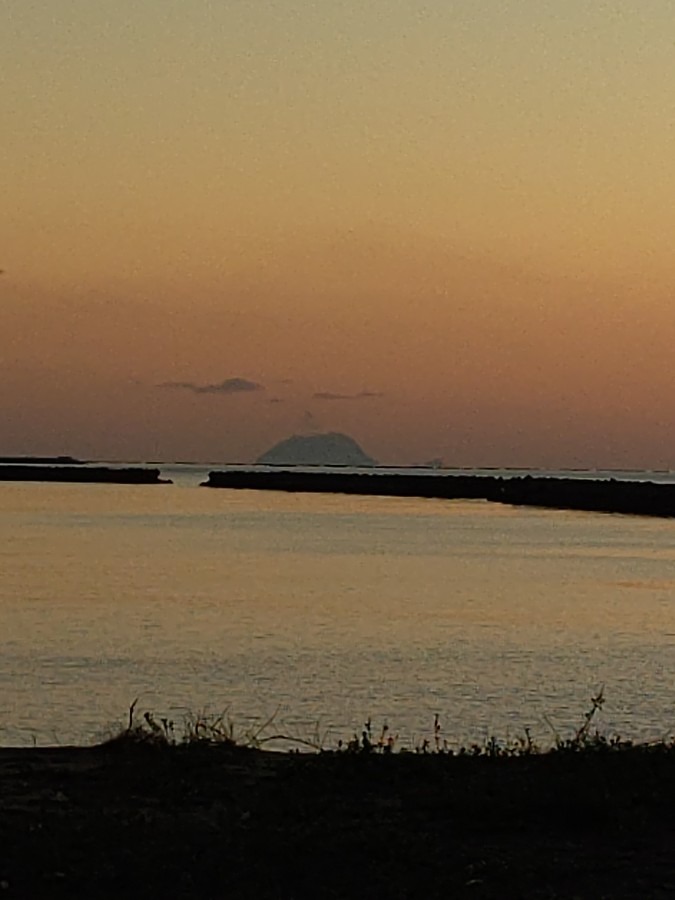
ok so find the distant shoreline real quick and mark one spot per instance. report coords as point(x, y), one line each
point(592, 495)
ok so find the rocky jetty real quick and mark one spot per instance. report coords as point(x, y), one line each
point(331, 449)
point(42, 460)
point(81, 474)
point(628, 497)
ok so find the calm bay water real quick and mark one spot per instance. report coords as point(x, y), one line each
point(329, 609)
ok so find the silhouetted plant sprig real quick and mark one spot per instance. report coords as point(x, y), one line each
point(203, 729)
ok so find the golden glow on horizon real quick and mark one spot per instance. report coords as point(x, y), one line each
point(464, 206)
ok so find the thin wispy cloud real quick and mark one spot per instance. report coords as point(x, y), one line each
point(228, 386)
point(361, 395)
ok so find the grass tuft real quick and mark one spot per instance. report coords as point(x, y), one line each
point(204, 729)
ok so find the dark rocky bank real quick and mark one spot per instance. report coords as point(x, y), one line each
point(612, 496)
point(220, 822)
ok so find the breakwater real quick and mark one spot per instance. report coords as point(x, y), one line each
point(593, 495)
point(42, 460)
point(81, 474)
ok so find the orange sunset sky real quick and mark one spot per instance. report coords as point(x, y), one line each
point(444, 228)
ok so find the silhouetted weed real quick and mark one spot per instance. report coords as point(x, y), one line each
point(205, 729)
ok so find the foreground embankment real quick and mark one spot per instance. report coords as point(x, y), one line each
point(608, 495)
point(216, 821)
point(81, 474)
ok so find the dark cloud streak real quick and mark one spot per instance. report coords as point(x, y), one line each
point(362, 395)
point(228, 386)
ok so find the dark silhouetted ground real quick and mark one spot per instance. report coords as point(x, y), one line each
point(212, 822)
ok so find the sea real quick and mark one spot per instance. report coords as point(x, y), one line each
point(319, 616)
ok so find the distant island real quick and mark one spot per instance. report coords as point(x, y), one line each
point(331, 449)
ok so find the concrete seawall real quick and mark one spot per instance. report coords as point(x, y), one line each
point(628, 497)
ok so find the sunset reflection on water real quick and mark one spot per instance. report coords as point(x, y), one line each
point(329, 608)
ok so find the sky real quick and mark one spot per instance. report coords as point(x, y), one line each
point(444, 228)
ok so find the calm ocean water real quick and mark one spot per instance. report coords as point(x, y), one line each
point(327, 609)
